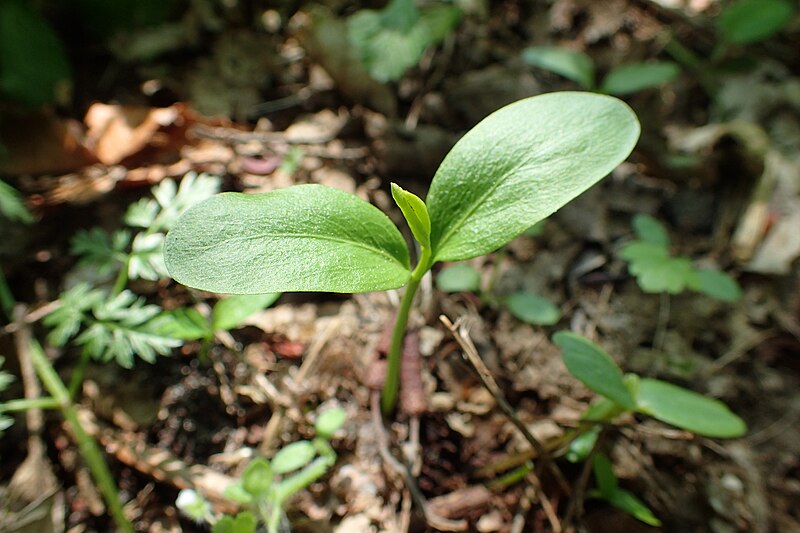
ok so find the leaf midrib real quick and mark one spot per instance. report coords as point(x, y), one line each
point(357, 244)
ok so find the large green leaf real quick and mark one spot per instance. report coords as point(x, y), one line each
point(302, 238)
point(688, 410)
point(594, 367)
point(749, 21)
point(522, 163)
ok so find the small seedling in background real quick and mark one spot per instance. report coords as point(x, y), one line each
point(394, 39)
point(579, 67)
point(657, 271)
point(265, 486)
point(752, 21)
point(500, 179)
point(631, 393)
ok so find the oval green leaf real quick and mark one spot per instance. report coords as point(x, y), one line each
point(415, 213)
point(635, 77)
point(594, 367)
point(575, 66)
point(257, 477)
point(293, 456)
point(749, 21)
point(718, 285)
point(329, 422)
point(688, 410)
point(302, 238)
point(532, 308)
point(522, 163)
point(461, 277)
point(651, 231)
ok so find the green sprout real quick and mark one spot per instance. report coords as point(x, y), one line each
point(265, 486)
point(512, 170)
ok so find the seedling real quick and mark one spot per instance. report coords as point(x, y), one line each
point(578, 67)
point(515, 168)
point(657, 271)
point(393, 39)
point(663, 401)
point(631, 393)
point(266, 485)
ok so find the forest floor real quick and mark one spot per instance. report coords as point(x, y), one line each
point(709, 165)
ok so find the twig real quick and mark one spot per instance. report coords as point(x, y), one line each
point(33, 316)
point(737, 352)
point(461, 336)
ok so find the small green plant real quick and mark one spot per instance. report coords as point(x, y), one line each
point(663, 401)
point(752, 21)
point(512, 170)
point(657, 271)
point(578, 67)
point(631, 393)
point(265, 486)
point(394, 39)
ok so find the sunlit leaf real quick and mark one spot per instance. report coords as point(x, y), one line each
point(229, 313)
point(594, 367)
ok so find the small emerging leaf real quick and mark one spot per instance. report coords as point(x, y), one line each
point(749, 21)
point(521, 164)
point(575, 66)
point(229, 313)
point(635, 77)
point(608, 489)
point(656, 271)
point(183, 323)
point(460, 277)
point(12, 205)
point(245, 522)
point(293, 456)
point(236, 493)
point(594, 367)
point(415, 213)
point(688, 410)
point(329, 422)
point(582, 445)
point(302, 238)
point(532, 309)
point(257, 478)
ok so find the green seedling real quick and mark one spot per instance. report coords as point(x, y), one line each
point(392, 40)
point(663, 401)
point(608, 489)
point(657, 271)
point(752, 21)
point(512, 170)
point(265, 486)
point(578, 67)
point(12, 206)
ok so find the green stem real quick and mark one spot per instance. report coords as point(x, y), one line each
point(76, 378)
point(13, 406)
point(88, 447)
point(392, 383)
point(122, 278)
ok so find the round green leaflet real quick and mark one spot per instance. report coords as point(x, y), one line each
point(302, 238)
point(521, 164)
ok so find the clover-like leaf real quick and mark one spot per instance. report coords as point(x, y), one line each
point(594, 367)
point(688, 410)
point(522, 163)
point(302, 238)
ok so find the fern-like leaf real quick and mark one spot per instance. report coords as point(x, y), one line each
point(103, 251)
point(66, 320)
